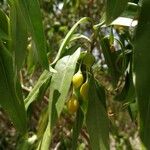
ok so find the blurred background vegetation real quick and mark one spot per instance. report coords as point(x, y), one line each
point(58, 17)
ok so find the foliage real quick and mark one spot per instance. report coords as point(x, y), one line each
point(88, 59)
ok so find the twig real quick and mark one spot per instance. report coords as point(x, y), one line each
point(83, 133)
point(57, 146)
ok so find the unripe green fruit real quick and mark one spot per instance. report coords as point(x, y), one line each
point(77, 79)
point(89, 60)
point(72, 105)
point(84, 90)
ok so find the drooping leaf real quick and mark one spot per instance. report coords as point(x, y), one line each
point(66, 67)
point(77, 128)
point(133, 110)
point(31, 12)
point(43, 121)
point(43, 131)
point(4, 25)
point(10, 92)
point(131, 11)
point(97, 120)
point(3, 35)
point(101, 93)
point(45, 142)
point(142, 73)
point(110, 58)
point(25, 143)
point(114, 8)
point(68, 38)
point(39, 88)
point(80, 36)
point(59, 87)
point(46, 139)
point(128, 92)
point(32, 58)
point(70, 50)
point(18, 35)
point(129, 16)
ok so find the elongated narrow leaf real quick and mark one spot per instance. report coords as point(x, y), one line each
point(4, 25)
point(32, 15)
point(131, 11)
point(142, 72)
point(128, 17)
point(3, 35)
point(59, 87)
point(101, 93)
point(68, 38)
point(10, 94)
point(61, 81)
point(32, 58)
point(39, 89)
point(80, 36)
point(110, 58)
point(114, 8)
point(18, 35)
point(25, 143)
point(45, 142)
point(70, 50)
point(46, 139)
point(97, 120)
point(133, 110)
point(43, 121)
point(77, 128)
point(128, 94)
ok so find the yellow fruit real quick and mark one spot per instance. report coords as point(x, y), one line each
point(84, 90)
point(77, 79)
point(72, 105)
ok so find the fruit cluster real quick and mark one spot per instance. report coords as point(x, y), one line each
point(78, 84)
point(80, 88)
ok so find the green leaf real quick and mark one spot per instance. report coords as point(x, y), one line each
point(133, 110)
point(128, 92)
point(131, 11)
point(43, 130)
point(101, 93)
point(32, 14)
point(32, 59)
point(88, 59)
point(45, 142)
point(142, 73)
point(46, 139)
point(18, 35)
point(39, 88)
point(77, 128)
point(68, 38)
point(114, 8)
point(70, 50)
point(10, 91)
point(61, 82)
point(97, 120)
point(110, 58)
point(65, 68)
point(3, 35)
point(80, 37)
point(4, 25)
point(25, 143)
point(43, 121)
point(59, 87)
point(129, 16)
